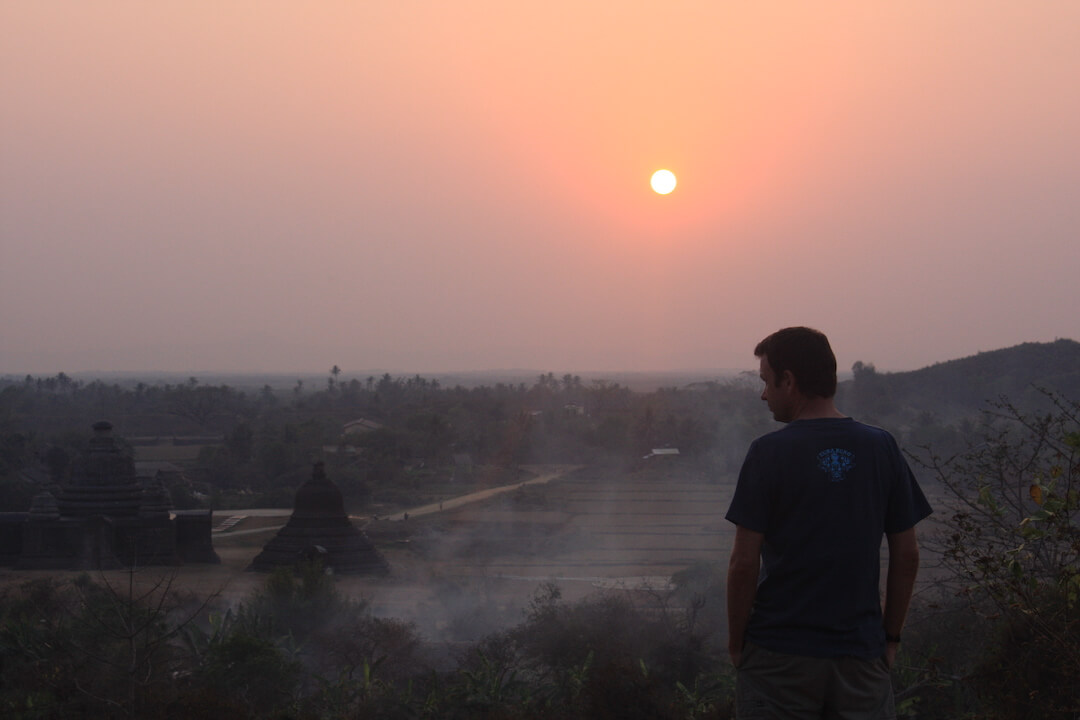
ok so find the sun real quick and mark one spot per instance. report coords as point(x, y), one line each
point(663, 181)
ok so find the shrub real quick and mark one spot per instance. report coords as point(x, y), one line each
point(1012, 547)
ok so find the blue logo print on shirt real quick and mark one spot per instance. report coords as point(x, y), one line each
point(836, 462)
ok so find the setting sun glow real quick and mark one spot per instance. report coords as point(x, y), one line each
point(503, 175)
point(663, 181)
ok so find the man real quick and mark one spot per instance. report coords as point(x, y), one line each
point(807, 632)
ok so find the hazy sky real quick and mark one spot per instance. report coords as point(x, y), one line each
point(422, 186)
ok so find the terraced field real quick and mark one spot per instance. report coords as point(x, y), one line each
point(472, 566)
point(584, 526)
point(583, 532)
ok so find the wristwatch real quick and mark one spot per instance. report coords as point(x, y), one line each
point(892, 638)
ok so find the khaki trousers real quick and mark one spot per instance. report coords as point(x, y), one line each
point(775, 686)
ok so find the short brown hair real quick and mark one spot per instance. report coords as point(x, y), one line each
point(807, 354)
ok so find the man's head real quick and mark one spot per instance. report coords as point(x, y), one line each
point(805, 354)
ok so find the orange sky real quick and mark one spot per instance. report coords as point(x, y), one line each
point(427, 186)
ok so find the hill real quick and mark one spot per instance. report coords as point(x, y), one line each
point(958, 388)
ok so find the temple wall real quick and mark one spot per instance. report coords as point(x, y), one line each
point(11, 540)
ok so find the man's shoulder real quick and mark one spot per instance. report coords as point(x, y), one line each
point(796, 432)
point(840, 424)
point(879, 434)
point(778, 436)
point(871, 429)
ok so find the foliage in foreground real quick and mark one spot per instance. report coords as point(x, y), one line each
point(296, 648)
point(1011, 551)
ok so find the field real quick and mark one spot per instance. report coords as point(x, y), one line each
point(476, 563)
point(472, 566)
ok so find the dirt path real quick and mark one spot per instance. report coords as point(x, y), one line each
point(544, 474)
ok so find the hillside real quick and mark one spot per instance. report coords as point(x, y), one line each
point(957, 388)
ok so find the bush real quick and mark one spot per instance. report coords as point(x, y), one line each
point(89, 649)
point(1012, 549)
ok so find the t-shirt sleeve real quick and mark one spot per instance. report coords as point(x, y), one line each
point(907, 503)
point(749, 505)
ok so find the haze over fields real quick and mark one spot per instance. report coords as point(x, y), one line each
point(427, 187)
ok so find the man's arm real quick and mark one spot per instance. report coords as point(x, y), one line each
point(899, 585)
point(742, 580)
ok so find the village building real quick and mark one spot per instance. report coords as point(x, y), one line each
point(360, 426)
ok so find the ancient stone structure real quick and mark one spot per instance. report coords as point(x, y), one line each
point(319, 529)
point(104, 518)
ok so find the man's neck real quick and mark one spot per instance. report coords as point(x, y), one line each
point(816, 408)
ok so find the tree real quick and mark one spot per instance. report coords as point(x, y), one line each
point(91, 649)
point(240, 442)
point(267, 397)
point(872, 395)
point(1012, 546)
point(199, 403)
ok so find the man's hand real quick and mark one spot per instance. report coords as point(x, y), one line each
point(903, 567)
point(741, 587)
point(890, 653)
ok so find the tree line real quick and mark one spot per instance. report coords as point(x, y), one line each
point(260, 445)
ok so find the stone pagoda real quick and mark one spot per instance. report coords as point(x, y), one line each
point(319, 529)
point(105, 518)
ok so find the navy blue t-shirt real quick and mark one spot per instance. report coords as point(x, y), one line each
point(823, 492)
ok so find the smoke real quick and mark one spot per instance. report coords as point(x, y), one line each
point(471, 570)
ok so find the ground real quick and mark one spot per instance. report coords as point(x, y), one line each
point(474, 563)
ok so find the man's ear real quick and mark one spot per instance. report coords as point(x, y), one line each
point(787, 380)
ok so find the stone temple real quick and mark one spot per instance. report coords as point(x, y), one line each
point(104, 518)
point(319, 529)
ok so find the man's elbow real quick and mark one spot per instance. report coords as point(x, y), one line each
point(741, 566)
point(908, 562)
point(904, 551)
